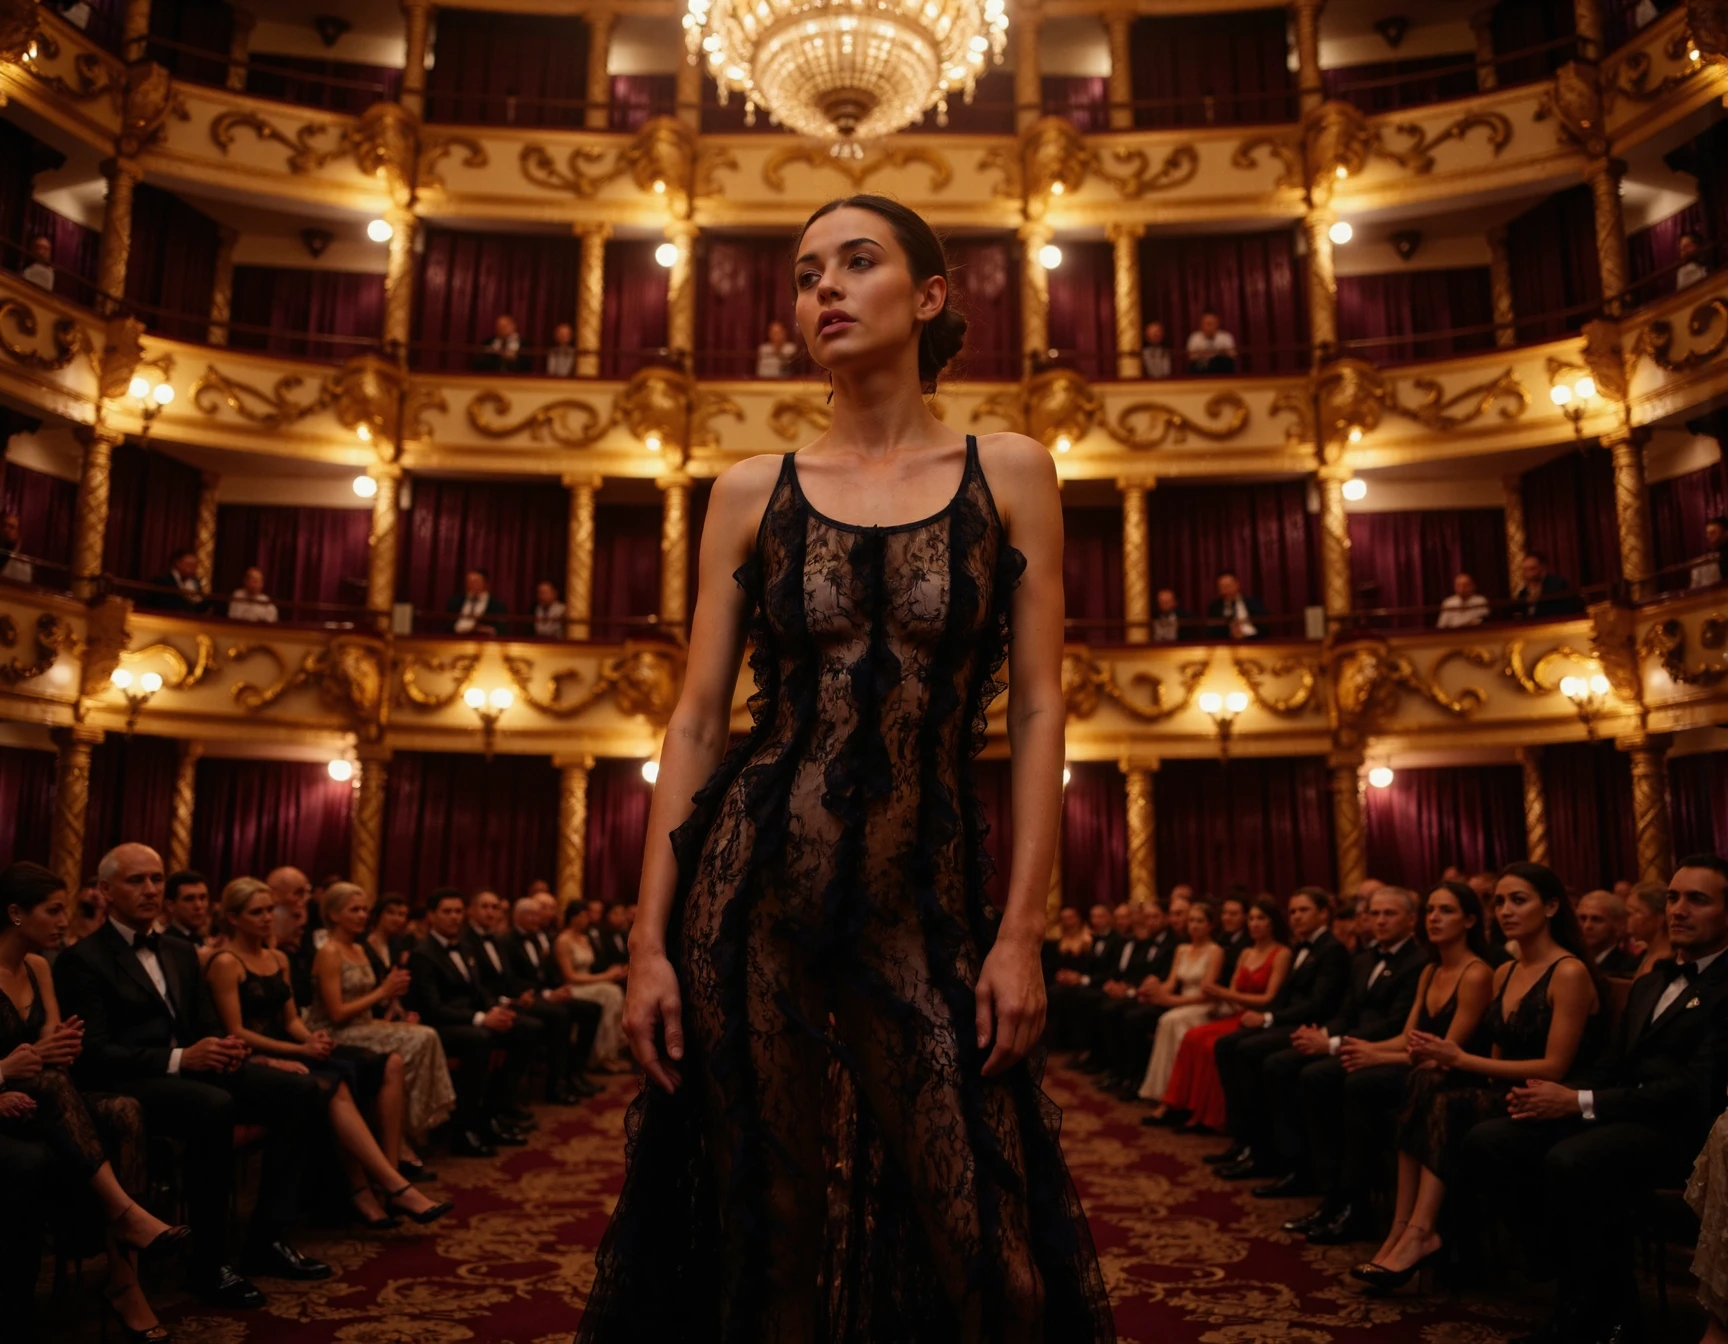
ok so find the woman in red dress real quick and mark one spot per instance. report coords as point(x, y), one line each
point(1194, 1084)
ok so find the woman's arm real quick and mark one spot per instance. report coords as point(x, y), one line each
point(224, 975)
point(1280, 972)
point(567, 966)
point(327, 973)
point(1572, 993)
point(1213, 959)
point(45, 987)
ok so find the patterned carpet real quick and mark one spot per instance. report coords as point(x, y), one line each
point(1189, 1259)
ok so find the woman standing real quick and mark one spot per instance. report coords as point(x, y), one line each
point(1199, 962)
point(576, 956)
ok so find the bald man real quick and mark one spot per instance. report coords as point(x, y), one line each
point(292, 891)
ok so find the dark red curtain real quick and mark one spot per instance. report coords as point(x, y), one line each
point(26, 804)
point(743, 283)
point(636, 98)
point(1384, 86)
point(493, 69)
point(1471, 816)
point(1409, 559)
point(131, 795)
point(729, 120)
point(75, 249)
point(1679, 508)
point(618, 803)
point(469, 280)
point(45, 506)
point(633, 316)
point(1373, 308)
point(171, 269)
point(1253, 281)
point(1655, 249)
point(1556, 281)
point(152, 511)
point(1569, 516)
point(518, 531)
point(1083, 309)
point(1094, 835)
point(1262, 530)
point(984, 286)
point(994, 781)
point(184, 30)
point(1519, 26)
point(1083, 99)
point(452, 819)
point(1698, 803)
point(253, 816)
point(1092, 574)
point(1265, 822)
point(991, 111)
point(1588, 787)
point(1702, 157)
point(307, 554)
point(1226, 69)
point(626, 568)
point(309, 81)
point(282, 305)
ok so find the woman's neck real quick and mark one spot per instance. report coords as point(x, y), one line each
point(342, 937)
point(245, 944)
point(1455, 953)
point(879, 409)
point(12, 951)
point(1539, 947)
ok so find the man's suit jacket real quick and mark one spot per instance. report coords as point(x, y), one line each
point(1218, 624)
point(440, 993)
point(174, 597)
point(129, 1030)
point(1378, 1012)
point(1232, 943)
point(494, 607)
point(1313, 990)
point(1619, 962)
point(192, 940)
point(1553, 598)
point(1129, 961)
point(530, 958)
point(500, 981)
point(611, 948)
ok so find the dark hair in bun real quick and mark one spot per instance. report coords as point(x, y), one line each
point(945, 334)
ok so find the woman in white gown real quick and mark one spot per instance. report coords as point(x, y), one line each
point(575, 953)
point(1199, 962)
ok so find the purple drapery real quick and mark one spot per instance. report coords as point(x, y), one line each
point(1092, 573)
point(1588, 789)
point(469, 280)
point(26, 804)
point(1094, 835)
point(1262, 531)
point(618, 803)
point(991, 111)
point(633, 315)
point(518, 531)
point(984, 287)
point(75, 250)
point(307, 554)
point(1083, 99)
point(1552, 249)
point(1083, 309)
point(636, 98)
point(1702, 157)
point(284, 303)
point(152, 511)
point(1679, 508)
point(206, 26)
point(255, 815)
point(45, 506)
point(742, 284)
point(171, 268)
point(496, 69)
point(1265, 822)
point(1408, 303)
point(1253, 281)
point(1384, 86)
point(994, 782)
point(1226, 69)
point(1569, 516)
point(1471, 816)
point(626, 568)
point(1657, 248)
point(1409, 559)
point(1698, 804)
point(452, 819)
point(22, 156)
point(310, 81)
point(1518, 25)
point(131, 795)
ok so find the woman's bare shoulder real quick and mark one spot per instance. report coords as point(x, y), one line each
point(1020, 472)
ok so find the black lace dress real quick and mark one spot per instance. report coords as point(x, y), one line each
point(262, 1000)
point(834, 1167)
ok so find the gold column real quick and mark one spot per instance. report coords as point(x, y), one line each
point(71, 803)
point(1349, 837)
point(1588, 22)
point(240, 48)
point(180, 811)
point(1136, 560)
point(1142, 858)
point(381, 543)
point(572, 825)
point(222, 287)
point(1125, 240)
point(1535, 805)
point(1631, 508)
point(590, 297)
point(123, 176)
point(689, 93)
point(399, 283)
point(1650, 806)
point(1119, 24)
point(1308, 84)
point(1028, 73)
point(134, 33)
point(1322, 280)
point(1482, 29)
point(1334, 542)
point(599, 82)
point(1516, 541)
point(674, 548)
point(416, 14)
point(681, 291)
point(204, 529)
point(90, 518)
point(1604, 176)
point(366, 829)
point(579, 557)
point(1034, 290)
point(1500, 283)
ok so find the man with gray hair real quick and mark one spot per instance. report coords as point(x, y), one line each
point(1602, 922)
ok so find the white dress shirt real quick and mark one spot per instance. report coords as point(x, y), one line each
point(152, 968)
point(245, 606)
point(549, 620)
point(40, 274)
point(1676, 987)
point(473, 607)
point(461, 965)
point(1456, 612)
point(1237, 614)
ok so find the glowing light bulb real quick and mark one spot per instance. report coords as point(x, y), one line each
point(162, 395)
point(121, 678)
point(1049, 256)
point(652, 443)
point(1057, 188)
point(1598, 684)
point(1063, 443)
point(364, 432)
point(503, 698)
point(1211, 702)
point(667, 255)
point(1560, 394)
point(150, 682)
point(474, 698)
point(1572, 687)
point(659, 186)
point(1236, 701)
point(380, 230)
point(1355, 488)
point(340, 770)
point(365, 487)
point(139, 387)
point(1381, 776)
point(1341, 232)
point(1355, 434)
point(1341, 172)
point(1585, 388)
point(651, 771)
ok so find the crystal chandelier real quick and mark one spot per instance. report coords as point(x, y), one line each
point(846, 71)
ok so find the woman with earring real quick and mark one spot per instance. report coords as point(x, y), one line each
point(38, 1099)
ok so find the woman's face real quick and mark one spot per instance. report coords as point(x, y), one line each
point(1522, 912)
point(1259, 925)
point(1643, 923)
point(1231, 916)
point(44, 925)
point(254, 918)
point(1446, 920)
point(392, 919)
point(857, 305)
point(352, 917)
point(578, 919)
point(1199, 926)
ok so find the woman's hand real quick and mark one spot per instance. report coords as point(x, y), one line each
point(652, 1007)
point(396, 983)
point(1010, 997)
point(318, 1045)
point(1436, 1050)
point(21, 1065)
point(61, 1046)
point(16, 1106)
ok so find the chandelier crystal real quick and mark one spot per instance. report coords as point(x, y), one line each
point(846, 71)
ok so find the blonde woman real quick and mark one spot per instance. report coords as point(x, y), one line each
point(1199, 962)
point(347, 990)
point(575, 952)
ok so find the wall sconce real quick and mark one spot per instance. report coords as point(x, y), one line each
point(151, 399)
point(341, 770)
point(380, 230)
point(1589, 696)
point(1222, 710)
point(148, 684)
point(490, 708)
point(667, 255)
point(1380, 776)
point(1574, 400)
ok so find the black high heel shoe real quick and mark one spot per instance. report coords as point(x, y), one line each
point(425, 1216)
point(156, 1334)
point(163, 1244)
point(383, 1224)
point(1378, 1280)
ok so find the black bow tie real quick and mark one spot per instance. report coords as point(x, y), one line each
point(149, 940)
point(1675, 970)
point(1381, 958)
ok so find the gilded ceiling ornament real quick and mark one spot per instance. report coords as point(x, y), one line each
point(1086, 683)
point(1056, 404)
point(182, 675)
point(1052, 159)
point(1657, 339)
point(1256, 674)
point(409, 666)
point(68, 336)
point(1665, 641)
point(542, 170)
point(1575, 102)
point(385, 142)
point(52, 635)
point(273, 409)
point(657, 400)
point(373, 391)
point(790, 415)
point(1336, 140)
point(1163, 423)
point(348, 674)
point(857, 171)
point(567, 421)
point(95, 77)
point(663, 152)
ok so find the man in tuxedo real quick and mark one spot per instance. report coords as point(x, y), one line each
point(1542, 594)
point(1233, 614)
point(150, 1032)
point(1123, 1041)
point(1632, 1122)
point(181, 588)
point(1602, 925)
point(448, 993)
point(483, 940)
point(291, 889)
point(611, 938)
point(1319, 977)
point(473, 607)
point(1305, 1084)
point(186, 904)
point(528, 955)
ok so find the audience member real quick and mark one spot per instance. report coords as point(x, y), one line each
point(1689, 272)
point(611, 937)
point(1233, 614)
point(388, 940)
point(13, 566)
point(40, 270)
point(503, 353)
point(1198, 963)
point(1464, 607)
point(1647, 924)
point(576, 961)
point(473, 604)
point(291, 935)
point(1542, 594)
point(561, 357)
point(776, 355)
point(41, 1106)
point(1706, 569)
point(548, 611)
point(1211, 350)
point(180, 589)
point(88, 912)
point(1168, 618)
point(1078, 979)
point(528, 958)
point(1155, 361)
point(250, 602)
point(151, 1033)
point(1121, 1040)
point(1232, 930)
point(186, 907)
point(1602, 926)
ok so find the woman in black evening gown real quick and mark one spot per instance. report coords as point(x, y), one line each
point(97, 1139)
point(842, 1136)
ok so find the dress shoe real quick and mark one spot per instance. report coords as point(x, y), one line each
point(469, 1143)
point(505, 1135)
point(279, 1260)
point(223, 1287)
point(1288, 1186)
point(518, 1118)
point(584, 1086)
point(1346, 1225)
point(1315, 1217)
point(1234, 1153)
point(1245, 1170)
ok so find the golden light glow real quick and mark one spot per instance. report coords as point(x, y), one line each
point(365, 487)
point(340, 770)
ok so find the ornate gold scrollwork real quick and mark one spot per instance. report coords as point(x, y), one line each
point(642, 680)
point(370, 390)
point(710, 161)
point(1086, 683)
point(1052, 158)
point(1256, 674)
point(1605, 357)
point(52, 635)
point(1629, 78)
point(1657, 339)
point(1287, 151)
point(1427, 684)
point(1164, 423)
point(459, 666)
point(1178, 168)
point(1299, 406)
point(791, 413)
point(150, 100)
point(542, 170)
point(348, 673)
point(1575, 101)
point(1417, 155)
point(304, 156)
point(183, 676)
point(20, 30)
point(1666, 642)
point(70, 339)
point(567, 422)
point(857, 171)
point(273, 409)
point(434, 149)
point(1367, 676)
point(94, 76)
point(655, 402)
point(1436, 409)
point(1052, 405)
point(1537, 678)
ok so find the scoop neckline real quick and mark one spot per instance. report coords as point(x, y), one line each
point(965, 475)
